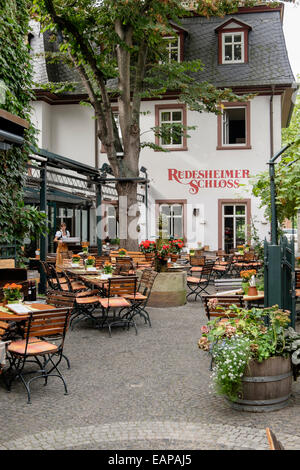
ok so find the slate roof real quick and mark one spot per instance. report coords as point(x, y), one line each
point(268, 59)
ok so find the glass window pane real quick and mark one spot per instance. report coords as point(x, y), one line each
point(165, 209)
point(228, 234)
point(228, 53)
point(176, 135)
point(177, 209)
point(112, 227)
point(166, 135)
point(240, 210)
point(240, 230)
point(176, 116)
point(166, 116)
point(84, 225)
point(237, 52)
point(178, 227)
point(111, 211)
point(237, 38)
point(174, 54)
point(228, 210)
point(77, 223)
point(228, 39)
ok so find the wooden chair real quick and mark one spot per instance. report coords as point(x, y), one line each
point(219, 309)
point(197, 263)
point(222, 269)
point(140, 299)
point(100, 260)
point(197, 285)
point(83, 303)
point(66, 285)
point(34, 348)
point(115, 300)
point(124, 266)
point(274, 444)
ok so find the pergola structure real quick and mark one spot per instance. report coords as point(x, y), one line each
point(52, 176)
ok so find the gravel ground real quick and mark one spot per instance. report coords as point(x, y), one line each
point(150, 391)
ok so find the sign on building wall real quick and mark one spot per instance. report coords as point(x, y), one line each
point(208, 179)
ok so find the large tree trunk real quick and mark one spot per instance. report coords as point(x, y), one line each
point(128, 214)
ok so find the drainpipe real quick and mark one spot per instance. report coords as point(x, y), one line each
point(272, 122)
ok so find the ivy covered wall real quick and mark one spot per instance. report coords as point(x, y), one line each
point(16, 221)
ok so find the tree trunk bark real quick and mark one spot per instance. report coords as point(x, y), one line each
point(128, 214)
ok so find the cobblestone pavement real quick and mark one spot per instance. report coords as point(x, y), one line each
point(150, 391)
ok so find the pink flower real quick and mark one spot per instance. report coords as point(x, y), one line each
point(204, 329)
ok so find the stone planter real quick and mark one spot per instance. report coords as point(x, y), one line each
point(169, 290)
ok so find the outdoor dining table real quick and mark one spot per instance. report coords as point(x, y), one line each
point(6, 315)
point(246, 298)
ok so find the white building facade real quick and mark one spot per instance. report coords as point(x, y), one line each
point(201, 187)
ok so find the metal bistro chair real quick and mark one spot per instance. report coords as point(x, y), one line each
point(34, 346)
point(197, 262)
point(85, 302)
point(140, 299)
point(75, 286)
point(222, 269)
point(116, 289)
point(197, 285)
point(51, 276)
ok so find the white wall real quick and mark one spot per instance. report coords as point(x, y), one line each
point(69, 131)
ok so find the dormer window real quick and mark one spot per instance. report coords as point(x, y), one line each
point(173, 48)
point(233, 42)
point(233, 50)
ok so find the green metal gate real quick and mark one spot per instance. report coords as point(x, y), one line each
point(279, 278)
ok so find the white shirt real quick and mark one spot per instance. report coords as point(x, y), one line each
point(59, 234)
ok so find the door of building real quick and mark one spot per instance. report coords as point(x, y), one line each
point(234, 227)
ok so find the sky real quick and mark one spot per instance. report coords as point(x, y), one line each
point(291, 27)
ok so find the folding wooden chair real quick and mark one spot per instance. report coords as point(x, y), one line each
point(197, 263)
point(37, 350)
point(140, 299)
point(218, 309)
point(274, 444)
point(115, 300)
point(197, 285)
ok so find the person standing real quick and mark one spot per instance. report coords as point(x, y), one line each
point(61, 246)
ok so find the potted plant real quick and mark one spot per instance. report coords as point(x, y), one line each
point(175, 249)
point(75, 261)
point(12, 293)
point(85, 247)
point(240, 249)
point(90, 263)
point(252, 355)
point(247, 277)
point(161, 258)
point(122, 252)
point(148, 247)
point(107, 270)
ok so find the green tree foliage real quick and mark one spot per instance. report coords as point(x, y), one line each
point(124, 39)
point(287, 177)
point(16, 220)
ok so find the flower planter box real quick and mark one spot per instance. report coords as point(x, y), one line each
point(266, 385)
point(169, 290)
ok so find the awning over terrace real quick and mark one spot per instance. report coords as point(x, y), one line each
point(52, 177)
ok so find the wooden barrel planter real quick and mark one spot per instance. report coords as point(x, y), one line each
point(266, 385)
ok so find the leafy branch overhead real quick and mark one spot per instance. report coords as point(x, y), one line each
point(287, 174)
point(16, 220)
point(118, 49)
